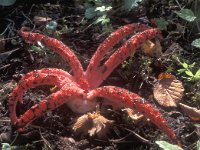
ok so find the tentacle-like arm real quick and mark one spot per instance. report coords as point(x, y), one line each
point(128, 99)
point(51, 102)
point(59, 48)
point(55, 71)
point(109, 42)
point(120, 55)
point(35, 78)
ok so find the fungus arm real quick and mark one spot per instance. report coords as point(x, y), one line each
point(33, 79)
point(51, 102)
point(59, 48)
point(125, 98)
point(109, 42)
point(120, 55)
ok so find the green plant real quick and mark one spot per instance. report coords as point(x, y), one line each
point(186, 14)
point(130, 4)
point(167, 146)
point(7, 2)
point(196, 97)
point(193, 17)
point(198, 145)
point(161, 23)
point(187, 70)
point(99, 10)
point(6, 146)
point(196, 43)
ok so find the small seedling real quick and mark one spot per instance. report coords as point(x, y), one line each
point(187, 70)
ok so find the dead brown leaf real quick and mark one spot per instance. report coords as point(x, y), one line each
point(41, 20)
point(193, 112)
point(168, 92)
point(135, 117)
point(92, 124)
point(152, 49)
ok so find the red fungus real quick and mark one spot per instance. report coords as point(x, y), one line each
point(81, 87)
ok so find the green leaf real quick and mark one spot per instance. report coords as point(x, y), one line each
point(189, 73)
point(198, 145)
point(103, 8)
point(108, 8)
point(181, 71)
point(90, 13)
point(167, 146)
point(161, 23)
point(7, 2)
point(185, 65)
point(192, 65)
point(186, 14)
point(130, 4)
point(88, 5)
point(103, 20)
point(197, 74)
point(196, 43)
point(98, 3)
point(6, 146)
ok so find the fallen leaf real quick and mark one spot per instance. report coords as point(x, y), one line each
point(168, 91)
point(133, 115)
point(197, 129)
point(152, 49)
point(92, 124)
point(173, 50)
point(41, 20)
point(193, 112)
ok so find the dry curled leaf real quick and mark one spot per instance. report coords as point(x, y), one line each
point(41, 20)
point(168, 91)
point(152, 49)
point(133, 115)
point(193, 112)
point(92, 124)
point(174, 48)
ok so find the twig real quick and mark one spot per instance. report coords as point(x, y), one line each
point(120, 139)
point(28, 20)
point(7, 120)
point(14, 139)
point(15, 37)
point(45, 141)
point(5, 29)
point(138, 136)
point(90, 25)
point(178, 4)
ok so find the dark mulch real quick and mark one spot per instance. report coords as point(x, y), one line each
point(53, 130)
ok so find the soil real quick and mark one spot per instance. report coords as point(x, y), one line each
point(54, 129)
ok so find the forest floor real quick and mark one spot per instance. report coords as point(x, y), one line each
point(138, 74)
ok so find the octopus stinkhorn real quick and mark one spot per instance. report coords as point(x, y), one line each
point(79, 90)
